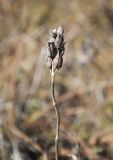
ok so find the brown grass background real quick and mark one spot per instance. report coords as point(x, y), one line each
point(84, 86)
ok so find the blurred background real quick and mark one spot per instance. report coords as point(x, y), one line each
point(83, 87)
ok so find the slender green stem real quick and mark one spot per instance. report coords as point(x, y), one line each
point(57, 112)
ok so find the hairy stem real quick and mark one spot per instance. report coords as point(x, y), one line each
point(57, 113)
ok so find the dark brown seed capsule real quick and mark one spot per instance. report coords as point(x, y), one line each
point(52, 50)
point(60, 63)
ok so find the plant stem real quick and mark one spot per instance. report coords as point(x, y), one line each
point(57, 112)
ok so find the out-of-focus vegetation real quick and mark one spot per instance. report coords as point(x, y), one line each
point(84, 86)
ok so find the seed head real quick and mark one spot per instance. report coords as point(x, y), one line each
point(55, 48)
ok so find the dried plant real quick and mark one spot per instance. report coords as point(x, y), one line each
point(54, 59)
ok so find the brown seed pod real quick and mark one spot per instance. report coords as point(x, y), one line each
point(60, 62)
point(52, 50)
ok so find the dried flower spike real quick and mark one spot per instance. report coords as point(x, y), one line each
point(54, 60)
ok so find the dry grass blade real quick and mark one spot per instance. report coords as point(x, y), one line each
point(2, 149)
point(28, 140)
point(14, 132)
point(11, 120)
